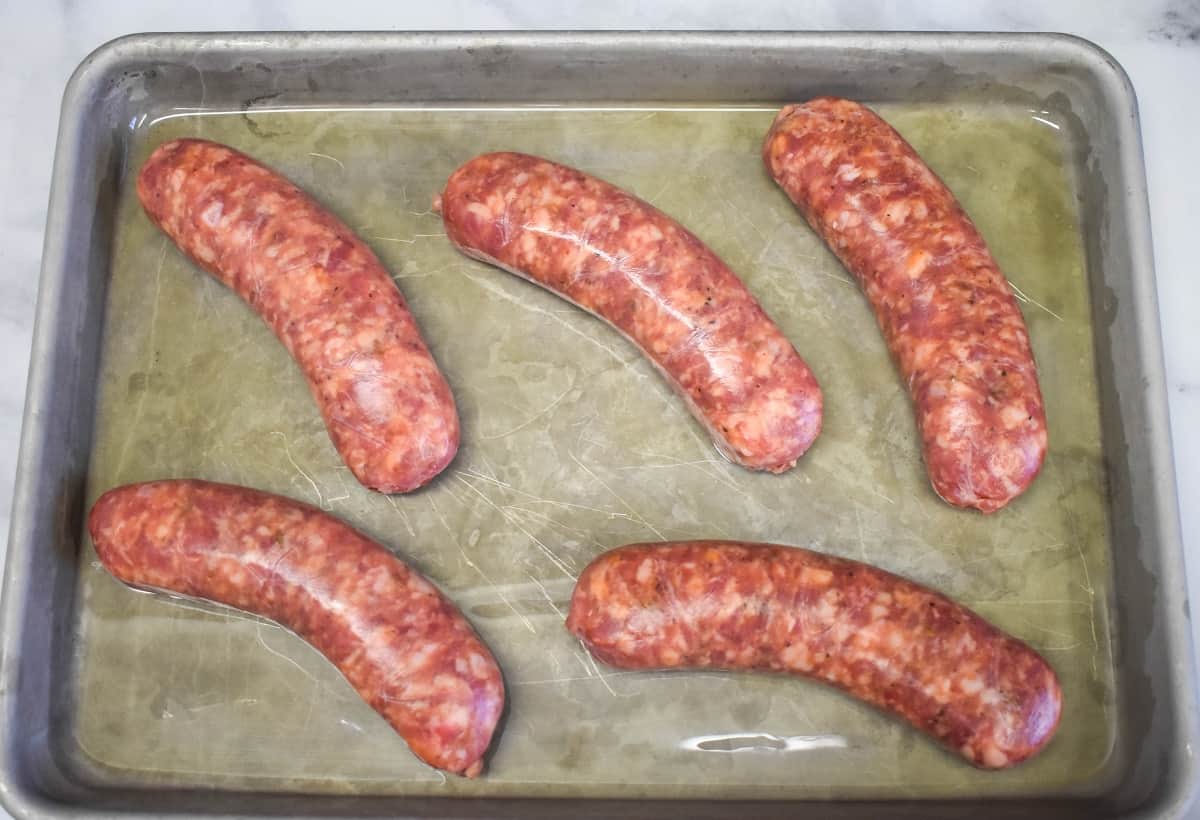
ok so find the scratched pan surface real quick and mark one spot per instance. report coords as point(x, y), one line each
point(572, 444)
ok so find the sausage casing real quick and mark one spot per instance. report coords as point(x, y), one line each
point(326, 296)
point(628, 263)
point(946, 311)
point(879, 637)
point(401, 644)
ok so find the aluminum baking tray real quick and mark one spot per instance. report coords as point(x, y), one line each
point(144, 368)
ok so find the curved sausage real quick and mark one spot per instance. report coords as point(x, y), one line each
point(324, 294)
point(945, 308)
point(400, 643)
point(883, 639)
point(638, 269)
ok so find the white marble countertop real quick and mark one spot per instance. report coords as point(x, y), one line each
point(1157, 42)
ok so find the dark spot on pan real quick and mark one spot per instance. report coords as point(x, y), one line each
point(254, 127)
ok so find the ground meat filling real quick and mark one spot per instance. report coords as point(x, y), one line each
point(387, 407)
point(627, 262)
point(883, 639)
point(399, 642)
point(945, 309)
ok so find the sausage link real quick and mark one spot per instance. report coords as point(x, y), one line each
point(326, 296)
point(400, 643)
point(945, 308)
point(883, 639)
point(628, 263)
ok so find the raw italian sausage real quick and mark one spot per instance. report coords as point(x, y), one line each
point(399, 642)
point(326, 296)
point(879, 637)
point(945, 308)
point(627, 262)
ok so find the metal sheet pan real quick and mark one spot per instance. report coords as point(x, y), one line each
point(145, 368)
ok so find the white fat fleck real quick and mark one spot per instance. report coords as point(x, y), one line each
point(1013, 415)
point(922, 354)
point(917, 262)
point(627, 644)
point(373, 397)
point(646, 621)
point(848, 172)
point(205, 253)
point(994, 757)
point(480, 667)
point(212, 214)
point(825, 611)
point(959, 422)
point(796, 657)
point(456, 716)
point(868, 635)
point(962, 389)
point(733, 602)
point(409, 665)
point(480, 210)
point(814, 576)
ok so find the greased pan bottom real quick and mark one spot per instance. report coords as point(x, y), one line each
point(573, 444)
